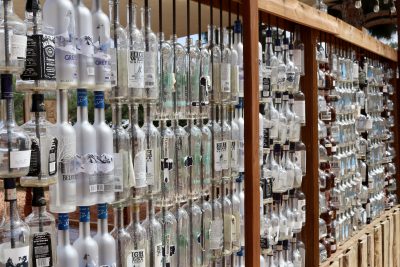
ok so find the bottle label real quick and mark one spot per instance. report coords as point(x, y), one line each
point(136, 258)
point(34, 166)
point(41, 250)
point(87, 163)
point(105, 163)
point(68, 170)
point(66, 60)
point(18, 47)
point(218, 156)
point(150, 166)
point(102, 65)
point(158, 258)
point(299, 108)
point(118, 173)
point(20, 159)
point(53, 157)
point(226, 77)
point(40, 63)
point(168, 250)
point(225, 155)
point(16, 256)
point(150, 69)
point(140, 169)
point(216, 234)
point(136, 69)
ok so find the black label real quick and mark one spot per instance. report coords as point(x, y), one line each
point(34, 166)
point(268, 188)
point(41, 250)
point(264, 243)
point(265, 138)
point(40, 61)
point(53, 157)
point(266, 87)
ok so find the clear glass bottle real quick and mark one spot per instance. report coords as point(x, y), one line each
point(151, 92)
point(42, 241)
point(229, 221)
point(195, 228)
point(182, 239)
point(168, 165)
point(195, 137)
point(291, 69)
point(86, 178)
point(217, 134)
point(215, 67)
point(205, 79)
point(240, 122)
point(235, 79)
point(238, 45)
point(105, 241)
point(119, 54)
point(14, 232)
point(226, 61)
point(180, 86)
point(85, 245)
point(225, 155)
point(281, 67)
point(63, 193)
point(181, 161)
point(102, 44)
point(216, 231)
point(60, 16)
point(298, 52)
point(136, 55)
point(44, 145)
point(166, 79)
point(66, 253)
point(168, 237)
point(15, 148)
point(194, 69)
point(234, 145)
point(206, 154)
point(205, 228)
point(121, 236)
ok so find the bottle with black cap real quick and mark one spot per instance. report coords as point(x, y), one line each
point(44, 146)
point(42, 241)
point(14, 232)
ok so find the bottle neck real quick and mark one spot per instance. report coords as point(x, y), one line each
point(11, 212)
point(102, 226)
point(96, 6)
point(84, 229)
point(62, 106)
point(42, 115)
point(82, 114)
point(9, 6)
point(63, 237)
point(134, 115)
point(237, 38)
point(132, 15)
point(117, 114)
point(114, 12)
point(211, 36)
point(146, 18)
point(148, 114)
point(99, 116)
point(38, 210)
point(135, 214)
point(118, 218)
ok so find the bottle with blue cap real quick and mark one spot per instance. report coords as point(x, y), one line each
point(67, 255)
point(105, 242)
point(85, 245)
point(86, 148)
point(107, 181)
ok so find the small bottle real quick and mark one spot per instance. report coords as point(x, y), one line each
point(104, 240)
point(66, 254)
point(85, 245)
point(43, 231)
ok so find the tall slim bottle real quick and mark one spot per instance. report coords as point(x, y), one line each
point(194, 69)
point(169, 237)
point(182, 237)
point(86, 178)
point(168, 166)
point(66, 254)
point(154, 232)
point(180, 65)
point(238, 45)
point(104, 240)
point(166, 79)
point(215, 67)
point(195, 146)
point(14, 233)
point(105, 157)
point(87, 248)
point(195, 234)
point(121, 237)
point(63, 193)
point(226, 61)
point(181, 161)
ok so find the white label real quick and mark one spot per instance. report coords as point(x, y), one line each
point(140, 169)
point(20, 159)
point(216, 234)
point(226, 77)
point(105, 163)
point(150, 166)
point(299, 107)
point(136, 258)
point(158, 255)
point(149, 69)
point(225, 155)
point(16, 256)
point(136, 69)
point(118, 173)
point(18, 46)
point(217, 156)
point(88, 163)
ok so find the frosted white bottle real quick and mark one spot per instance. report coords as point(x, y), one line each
point(105, 242)
point(67, 256)
point(104, 149)
point(86, 177)
point(87, 248)
point(84, 45)
point(59, 15)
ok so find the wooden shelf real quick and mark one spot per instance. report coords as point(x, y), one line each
point(303, 14)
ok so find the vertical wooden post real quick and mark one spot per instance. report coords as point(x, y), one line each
point(251, 145)
point(310, 138)
point(396, 100)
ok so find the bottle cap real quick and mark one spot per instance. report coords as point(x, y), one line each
point(84, 214)
point(102, 211)
point(269, 32)
point(82, 99)
point(63, 221)
point(6, 86)
point(98, 99)
point(9, 183)
point(38, 199)
point(237, 27)
point(38, 103)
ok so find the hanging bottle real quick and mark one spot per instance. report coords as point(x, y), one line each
point(121, 236)
point(180, 73)
point(215, 67)
point(195, 234)
point(66, 253)
point(194, 70)
point(105, 242)
point(155, 238)
point(238, 45)
point(166, 79)
point(226, 61)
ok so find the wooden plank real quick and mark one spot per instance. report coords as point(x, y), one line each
point(363, 252)
point(251, 111)
point(385, 242)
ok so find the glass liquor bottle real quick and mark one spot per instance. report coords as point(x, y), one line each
point(289, 167)
point(63, 193)
point(85, 245)
point(281, 67)
point(136, 55)
point(298, 52)
point(291, 69)
point(121, 236)
point(226, 136)
point(267, 68)
point(217, 134)
point(136, 251)
point(238, 46)
point(151, 91)
point(181, 161)
point(138, 153)
point(119, 54)
point(194, 68)
point(153, 143)
point(240, 122)
point(168, 238)
point(168, 166)
point(282, 122)
point(234, 144)
point(195, 137)
point(226, 61)
point(14, 233)
point(107, 182)
point(43, 163)
point(182, 238)
point(206, 154)
point(215, 67)
point(195, 230)
point(205, 79)
point(283, 221)
point(60, 16)
point(229, 221)
point(84, 45)
point(43, 231)
point(180, 85)
point(298, 174)
point(86, 178)
point(15, 148)
point(105, 242)
point(166, 79)
point(216, 231)
point(66, 253)
point(206, 210)
point(154, 230)
point(102, 44)
point(234, 71)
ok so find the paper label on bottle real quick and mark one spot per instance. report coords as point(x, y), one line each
point(225, 155)
point(66, 60)
point(118, 173)
point(17, 256)
point(20, 159)
point(2, 44)
point(88, 163)
point(158, 257)
point(226, 77)
point(136, 258)
point(18, 46)
point(234, 155)
point(105, 163)
point(149, 69)
point(150, 166)
point(34, 166)
point(41, 250)
point(102, 68)
point(52, 164)
point(136, 69)
point(218, 156)
point(140, 169)
point(216, 234)
point(67, 169)
point(85, 46)
point(299, 108)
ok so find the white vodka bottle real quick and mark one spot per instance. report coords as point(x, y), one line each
point(104, 147)
point(86, 178)
point(238, 46)
point(105, 241)
point(84, 45)
point(87, 248)
point(63, 193)
point(67, 256)
point(102, 44)
point(60, 16)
